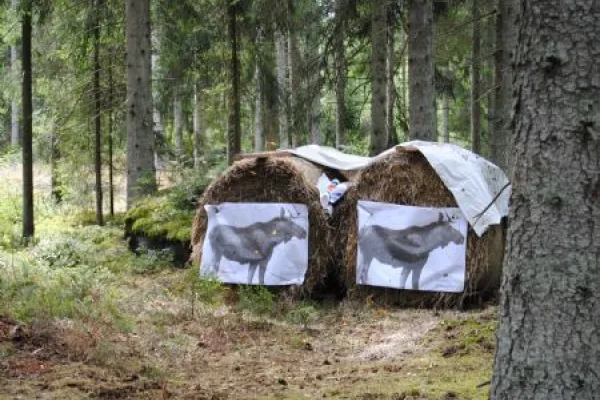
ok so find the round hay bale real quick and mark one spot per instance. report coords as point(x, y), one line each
point(274, 180)
point(406, 178)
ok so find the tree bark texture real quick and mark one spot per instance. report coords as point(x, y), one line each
point(549, 335)
point(378, 142)
point(199, 124)
point(27, 149)
point(503, 76)
point(15, 131)
point(390, 98)
point(141, 175)
point(313, 66)
point(234, 145)
point(476, 80)
point(340, 74)
point(97, 115)
point(282, 88)
point(422, 112)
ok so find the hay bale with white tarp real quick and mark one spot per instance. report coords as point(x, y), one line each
point(285, 188)
point(414, 203)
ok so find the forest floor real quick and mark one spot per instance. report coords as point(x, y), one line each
point(81, 317)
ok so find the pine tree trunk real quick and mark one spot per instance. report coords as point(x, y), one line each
point(390, 98)
point(489, 75)
point(422, 113)
point(445, 109)
point(549, 335)
point(505, 44)
point(234, 129)
point(55, 189)
point(378, 141)
point(294, 91)
point(97, 116)
point(340, 74)
point(259, 129)
point(178, 123)
point(282, 88)
point(198, 125)
point(475, 80)
point(15, 134)
point(111, 188)
point(28, 223)
point(141, 175)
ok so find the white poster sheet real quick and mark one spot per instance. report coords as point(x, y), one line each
point(407, 247)
point(256, 243)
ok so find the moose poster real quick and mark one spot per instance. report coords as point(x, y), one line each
point(408, 247)
point(256, 243)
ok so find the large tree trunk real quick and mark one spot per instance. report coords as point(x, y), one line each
point(97, 116)
point(422, 114)
point(378, 141)
point(390, 98)
point(28, 224)
point(178, 123)
point(475, 80)
point(15, 134)
point(259, 126)
point(199, 123)
point(549, 334)
point(234, 130)
point(141, 175)
point(340, 74)
point(445, 109)
point(505, 45)
point(282, 88)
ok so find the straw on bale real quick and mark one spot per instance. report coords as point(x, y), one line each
point(273, 180)
point(405, 177)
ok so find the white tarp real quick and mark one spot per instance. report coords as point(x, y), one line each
point(472, 180)
point(406, 247)
point(256, 243)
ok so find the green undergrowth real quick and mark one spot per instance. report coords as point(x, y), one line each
point(168, 214)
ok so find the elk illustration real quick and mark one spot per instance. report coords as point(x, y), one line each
point(407, 248)
point(253, 244)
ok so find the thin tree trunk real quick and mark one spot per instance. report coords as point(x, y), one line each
point(14, 119)
point(28, 222)
point(379, 139)
point(111, 190)
point(282, 86)
point(549, 332)
point(422, 112)
point(141, 173)
point(294, 80)
point(178, 123)
point(390, 98)
point(505, 45)
point(198, 124)
point(340, 74)
point(445, 109)
point(55, 189)
point(475, 80)
point(489, 76)
point(97, 116)
point(259, 129)
point(234, 129)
